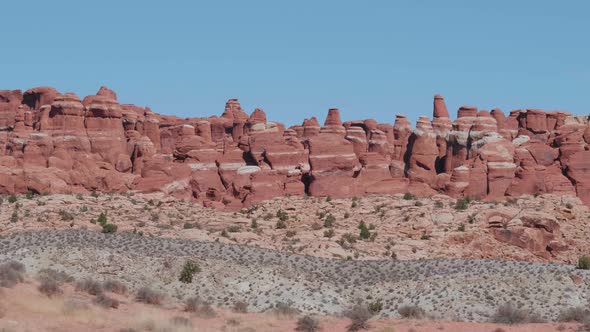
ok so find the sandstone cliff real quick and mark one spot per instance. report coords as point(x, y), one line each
point(56, 143)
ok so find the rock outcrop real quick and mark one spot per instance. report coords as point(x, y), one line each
point(54, 142)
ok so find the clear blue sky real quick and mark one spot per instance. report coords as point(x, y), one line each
point(295, 59)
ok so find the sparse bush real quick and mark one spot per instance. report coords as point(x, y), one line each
point(425, 237)
point(195, 305)
point(65, 215)
point(569, 206)
point(109, 228)
point(291, 233)
point(349, 237)
point(307, 324)
point(284, 309)
point(282, 215)
point(583, 263)
point(188, 270)
point(114, 286)
point(149, 296)
point(375, 307)
point(463, 203)
point(281, 224)
point(438, 204)
point(59, 276)
point(14, 217)
point(106, 301)
point(359, 316)
point(411, 311)
point(192, 304)
point(346, 215)
point(575, 314)
point(329, 233)
point(241, 307)
point(11, 273)
point(418, 203)
point(234, 229)
point(89, 286)
point(50, 287)
point(29, 195)
point(353, 204)
point(461, 228)
point(12, 198)
point(509, 314)
point(329, 221)
point(254, 224)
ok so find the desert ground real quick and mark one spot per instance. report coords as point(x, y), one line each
point(423, 264)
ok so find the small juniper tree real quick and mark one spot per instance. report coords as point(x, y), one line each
point(188, 270)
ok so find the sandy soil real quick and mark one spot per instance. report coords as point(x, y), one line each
point(23, 308)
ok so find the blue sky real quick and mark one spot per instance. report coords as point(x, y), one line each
point(295, 59)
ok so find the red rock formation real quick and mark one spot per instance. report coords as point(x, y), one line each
point(56, 143)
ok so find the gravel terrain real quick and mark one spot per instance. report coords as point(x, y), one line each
point(450, 289)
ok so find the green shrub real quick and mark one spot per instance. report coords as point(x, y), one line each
point(14, 216)
point(463, 203)
point(29, 195)
point(375, 307)
point(282, 215)
point(353, 204)
point(364, 231)
point(329, 221)
point(12, 198)
point(188, 270)
point(254, 223)
point(409, 197)
point(102, 218)
point(65, 215)
point(438, 204)
point(583, 263)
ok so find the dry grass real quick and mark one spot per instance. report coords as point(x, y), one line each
point(149, 296)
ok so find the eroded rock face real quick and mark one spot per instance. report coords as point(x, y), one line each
point(53, 142)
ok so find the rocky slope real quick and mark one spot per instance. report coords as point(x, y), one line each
point(465, 290)
point(543, 228)
point(56, 143)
